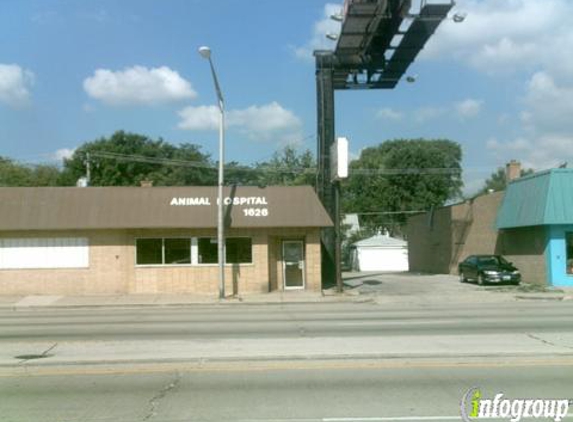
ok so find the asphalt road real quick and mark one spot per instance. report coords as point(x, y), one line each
point(283, 321)
point(303, 363)
point(346, 393)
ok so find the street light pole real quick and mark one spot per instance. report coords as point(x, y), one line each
point(205, 52)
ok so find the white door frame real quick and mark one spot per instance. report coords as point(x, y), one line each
point(303, 268)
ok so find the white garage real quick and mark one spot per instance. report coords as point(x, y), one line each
point(380, 253)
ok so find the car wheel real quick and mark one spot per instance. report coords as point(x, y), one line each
point(462, 278)
point(481, 280)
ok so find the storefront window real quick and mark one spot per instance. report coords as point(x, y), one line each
point(207, 251)
point(149, 251)
point(238, 250)
point(569, 249)
point(177, 251)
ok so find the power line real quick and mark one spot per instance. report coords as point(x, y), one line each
point(268, 169)
point(150, 160)
point(404, 171)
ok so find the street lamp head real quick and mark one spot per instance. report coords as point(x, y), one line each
point(205, 52)
point(337, 17)
point(411, 78)
point(459, 17)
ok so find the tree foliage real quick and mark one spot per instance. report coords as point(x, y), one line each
point(402, 175)
point(126, 159)
point(113, 162)
point(14, 174)
point(288, 167)
point(497, 181)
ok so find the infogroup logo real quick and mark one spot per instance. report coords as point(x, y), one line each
point(474, 407)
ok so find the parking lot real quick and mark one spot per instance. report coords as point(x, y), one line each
point(424, 288)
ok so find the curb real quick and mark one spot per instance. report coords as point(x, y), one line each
point(227, 302)
point(550, 297)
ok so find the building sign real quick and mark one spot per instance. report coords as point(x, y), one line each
point(255, 206)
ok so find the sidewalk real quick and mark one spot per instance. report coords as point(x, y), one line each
point(164, 300)
point(380, 288)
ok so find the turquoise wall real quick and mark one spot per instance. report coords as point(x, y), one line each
point(557, 256)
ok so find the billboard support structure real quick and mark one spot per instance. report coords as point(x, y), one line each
point(365, 57)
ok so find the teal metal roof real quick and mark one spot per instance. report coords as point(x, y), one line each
point(544, 198)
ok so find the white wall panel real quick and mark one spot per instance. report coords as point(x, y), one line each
point(49, 252)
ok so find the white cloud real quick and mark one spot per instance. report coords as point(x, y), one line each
point(547, 127)
point(323, 26)
point(199, 118)
point(465, 109)
point(269, 121)
point(508, 36)
point(63, 153)
point(388, 113)
point(468, 108)
point(538, 153)
point(264, 121)
point(15, 84)
point(548, 104)
point(138, 85)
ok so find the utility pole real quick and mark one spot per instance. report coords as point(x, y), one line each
point(325, 188)
point(88, 169)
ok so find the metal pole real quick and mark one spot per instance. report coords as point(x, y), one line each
point(205, 52)
point(221, 205)
point(88, 170)
point(337, 238)
point(325, 188)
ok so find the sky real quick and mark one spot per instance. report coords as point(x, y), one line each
point(72, 71)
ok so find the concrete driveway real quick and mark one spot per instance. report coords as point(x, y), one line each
point(437, 288)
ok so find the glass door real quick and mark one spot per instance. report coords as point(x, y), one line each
point(293, 264)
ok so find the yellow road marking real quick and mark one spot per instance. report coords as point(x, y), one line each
point(251, 366)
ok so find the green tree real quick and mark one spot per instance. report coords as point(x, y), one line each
point(497, 181)
point(46, 175)
point(288, 167)
point(402, 175)
point(14, 174)
point(125, 159)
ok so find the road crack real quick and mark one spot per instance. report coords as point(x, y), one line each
point(25, 358)
point(155, 400)
point(549, 343)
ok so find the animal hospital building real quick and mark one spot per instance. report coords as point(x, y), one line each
point(127, 240)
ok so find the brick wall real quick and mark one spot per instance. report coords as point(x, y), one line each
point(438, 242)
point(526, 248)
point(108, 272)
point(475, 227)
point(430, 241)
point(112, 268)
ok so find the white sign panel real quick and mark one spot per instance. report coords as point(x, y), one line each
point(339, 157)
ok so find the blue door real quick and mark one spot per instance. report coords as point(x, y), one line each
point(560, 256)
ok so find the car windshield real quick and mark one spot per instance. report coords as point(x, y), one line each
point(492, 260)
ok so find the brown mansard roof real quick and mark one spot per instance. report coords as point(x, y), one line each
point(68, 208)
